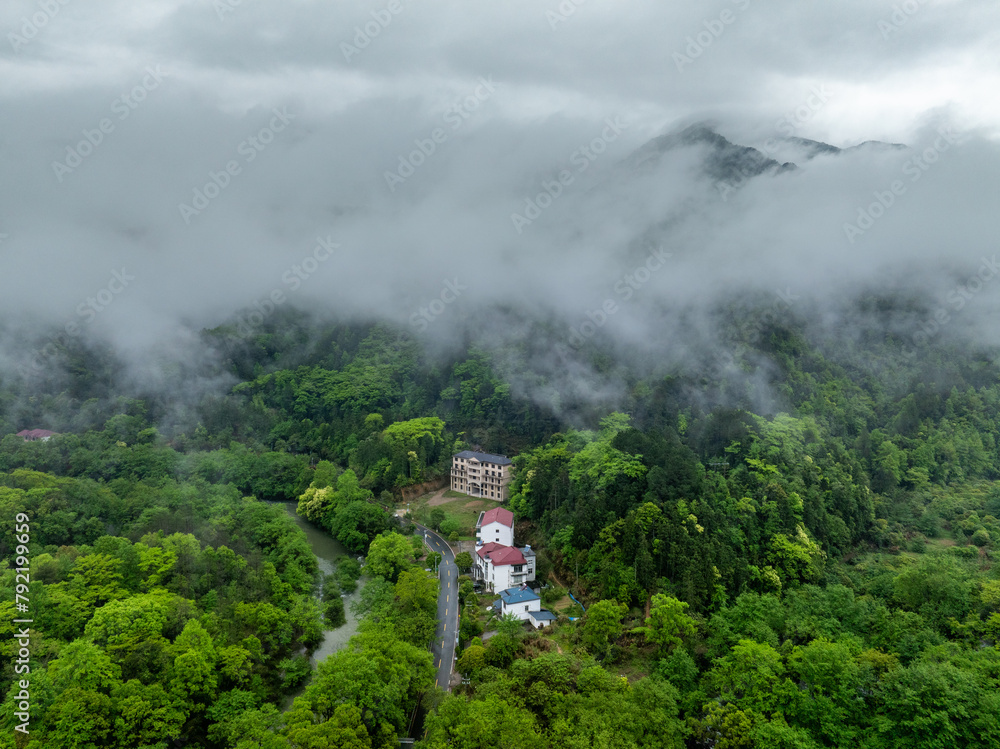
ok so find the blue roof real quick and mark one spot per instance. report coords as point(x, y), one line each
point(543, 615)
point(517, 595)
point(496, 604)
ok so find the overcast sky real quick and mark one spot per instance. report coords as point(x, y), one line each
point(167, 162)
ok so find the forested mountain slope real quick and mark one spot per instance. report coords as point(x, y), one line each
point(793, 548)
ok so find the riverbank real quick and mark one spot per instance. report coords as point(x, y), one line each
point(326, 549)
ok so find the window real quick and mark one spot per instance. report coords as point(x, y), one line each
point(518, 567)
point(525, 608)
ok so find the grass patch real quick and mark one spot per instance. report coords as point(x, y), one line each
point(461, 508)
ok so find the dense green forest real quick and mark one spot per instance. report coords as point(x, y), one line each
point(813, 568)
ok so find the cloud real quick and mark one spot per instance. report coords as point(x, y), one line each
point(114, 116)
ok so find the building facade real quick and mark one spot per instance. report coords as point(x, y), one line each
point(497, 526)
point(481, 474)
point(525, 604)
point(501, 567)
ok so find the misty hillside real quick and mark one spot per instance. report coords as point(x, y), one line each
point(575, 375)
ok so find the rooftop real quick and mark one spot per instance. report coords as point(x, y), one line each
point(517, 595)
point(502, 460)
point(35, 434)
point(500, 555)
point(497, 515)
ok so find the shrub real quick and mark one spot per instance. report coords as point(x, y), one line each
point(981, 537)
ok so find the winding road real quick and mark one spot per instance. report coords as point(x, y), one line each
point(446, 635)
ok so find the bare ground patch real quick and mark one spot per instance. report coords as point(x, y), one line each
point(439, 499)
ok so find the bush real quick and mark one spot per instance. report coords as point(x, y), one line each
point(295, 670)
point(964, 552)
point(333, 612)
point(437, 517)
point(347, 573)
point(551, 595)
point(418, 546)
point(981, 537)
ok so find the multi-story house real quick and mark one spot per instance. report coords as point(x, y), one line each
point(481, 474)
point(501, 567)
point(497, 525)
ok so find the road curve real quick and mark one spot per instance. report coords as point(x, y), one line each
point(446, 635)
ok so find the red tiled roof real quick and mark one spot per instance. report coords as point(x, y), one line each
point(499, 515)
point(500, 555)
point(35, 434)
point(485, 549)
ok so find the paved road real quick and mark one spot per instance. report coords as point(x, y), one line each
point(447, 628)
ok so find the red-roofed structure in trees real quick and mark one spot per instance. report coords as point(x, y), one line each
point(30, 435)
point(497, 526)
point(501, 567)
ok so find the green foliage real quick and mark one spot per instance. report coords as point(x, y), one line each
point(390, 554)
point(667, 623)
point(463, 560)
point(821, 575)
point(139, 639)
point(347, 573)
point(347, 510)
point(417, 590)
point(333, 612)
point(602, 624)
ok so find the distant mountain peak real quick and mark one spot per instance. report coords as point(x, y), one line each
point(726, 161)
point(809, 149)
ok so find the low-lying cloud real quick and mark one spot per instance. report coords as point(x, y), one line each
point(200, 152)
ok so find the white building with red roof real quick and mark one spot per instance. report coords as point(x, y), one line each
point(32, 435)
point(495, 526)
point(501, 567)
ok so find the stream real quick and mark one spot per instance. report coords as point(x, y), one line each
point(327, 549)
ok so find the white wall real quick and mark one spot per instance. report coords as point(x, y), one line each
point(498, 533)
point(518, 609)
